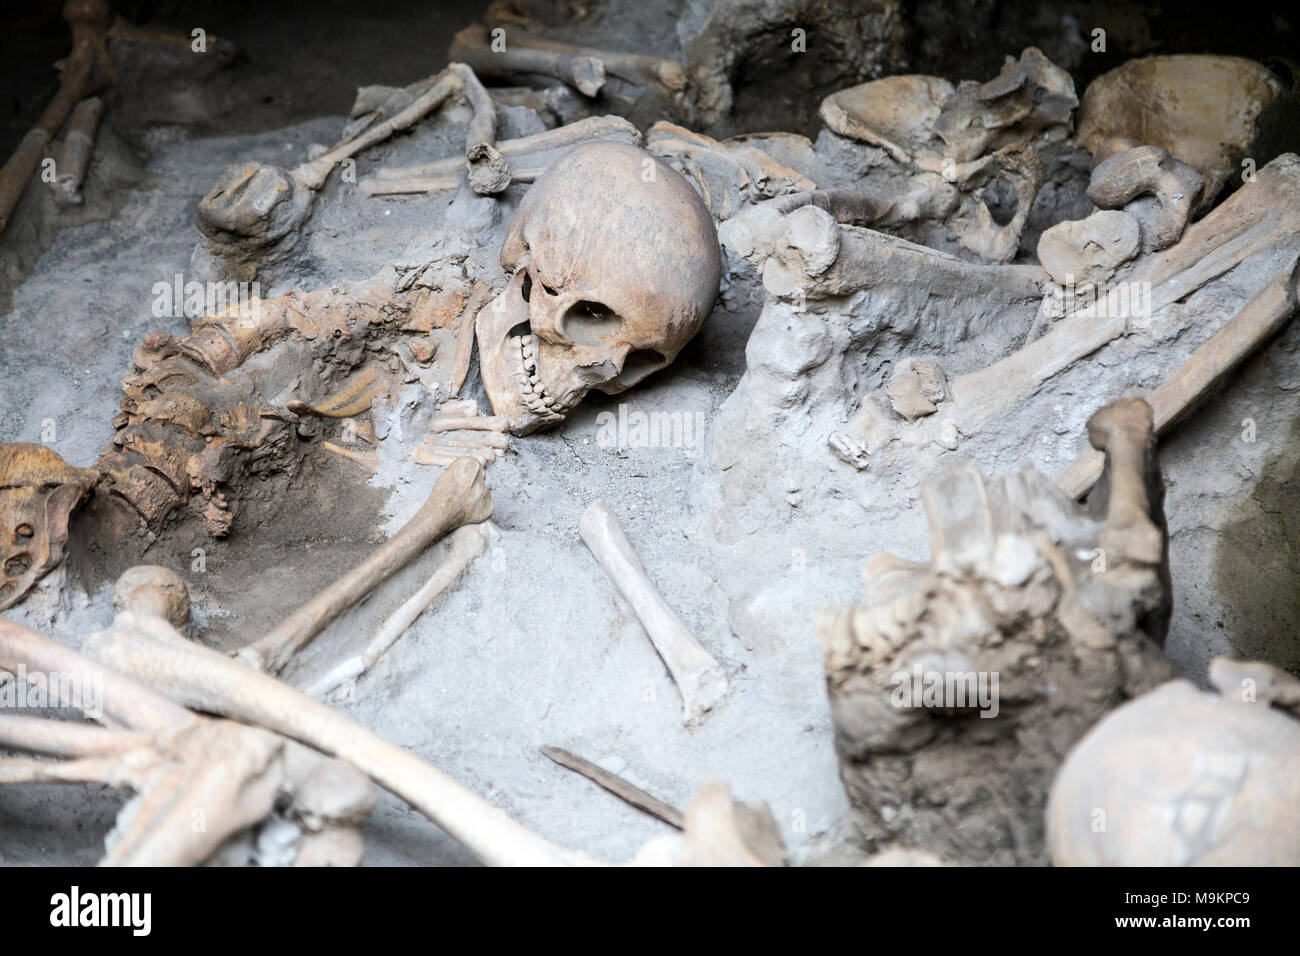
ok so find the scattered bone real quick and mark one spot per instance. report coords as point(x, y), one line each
point(697, 675)
point(253, 209)
point(86, 70)
point(38, 493)
point(148, 589)
point(489, 173)
point(369, 460)
point(482, 437)
point(728, 175)
point(617, 786)
point(353, 399)
point(459, 497)
point(1205, 110)
point(1157, 189)
point(1089, 251)
point(206, 680)
point(719, 831)
point(466, 544)
point(916, 388)
point(953, 677)
point(78, 145)
point(638, 281)
point(1258, 217)
point(1184, 777)
point(1238, 338)
point(591, 129)
point(471, 46)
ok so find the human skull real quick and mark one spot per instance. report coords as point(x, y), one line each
point(1185, 777)
point(615, 264)
point(38, 491)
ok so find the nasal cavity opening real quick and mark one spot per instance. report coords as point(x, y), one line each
point(590, 323)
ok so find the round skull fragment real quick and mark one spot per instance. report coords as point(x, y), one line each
point(615, 266)
point(1181, 777)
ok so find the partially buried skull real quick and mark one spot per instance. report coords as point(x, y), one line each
point(615, 266)
point(38, 492)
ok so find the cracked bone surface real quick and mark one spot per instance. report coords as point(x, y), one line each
point(78, 145)
point(205, 680)
point(699, 679)
point(38, 493)
point(459, 497)
point(615, 266)
point(1186, 777)
point(957, 683)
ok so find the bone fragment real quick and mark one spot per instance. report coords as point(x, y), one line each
point(313, 173)
point(699, 679)
point(471, 47)
point(489, 173)
point(208, 681)
point(74, 158)
point(368, 460)
point(151, 589)
point(1261, 319)
point(443, 182)
point(466, 545)
point(85, 70)
point(458, 498)
point(353, 399)
point(617, 786)
point(593, 128)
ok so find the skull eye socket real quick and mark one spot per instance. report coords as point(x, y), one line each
point(589, 323)
point(640, 363)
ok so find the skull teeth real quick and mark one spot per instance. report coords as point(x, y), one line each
point(527, 380)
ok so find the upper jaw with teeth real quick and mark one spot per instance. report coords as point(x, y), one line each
point(528, 382)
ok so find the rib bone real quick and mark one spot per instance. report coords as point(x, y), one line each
point(458, 498)
point(699, 679)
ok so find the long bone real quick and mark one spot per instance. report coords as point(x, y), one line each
point(1256, 218)
point(613, 128)
point(177, 762)
point(207, 681)
point(83, 72)
point(470, 46)
point(78, 144)
point(1261, 319)
point(465, 546)
point(459, 497)
point(698, 676)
